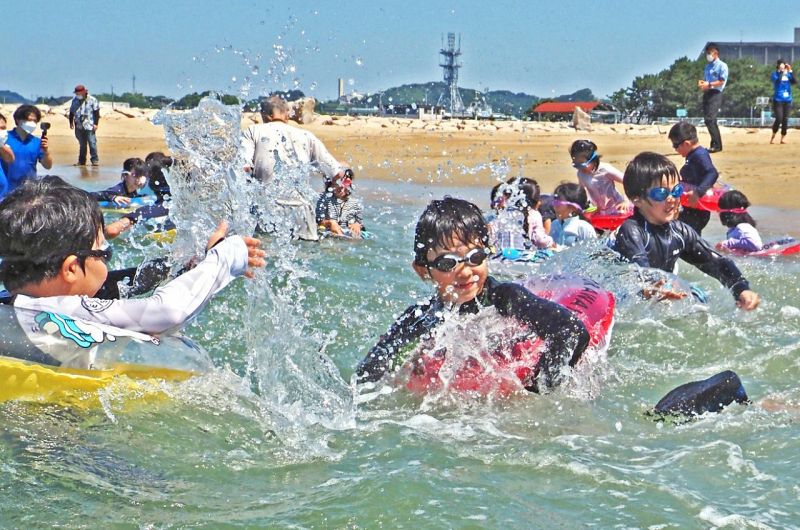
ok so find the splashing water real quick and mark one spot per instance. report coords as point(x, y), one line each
point(297, 384)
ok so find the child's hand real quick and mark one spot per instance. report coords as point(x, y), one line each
point(355, 230)
point(662, 291)
point(335, 228)
point(121, 200)
point(748, 300)
point(255, 254)
point(624, 207)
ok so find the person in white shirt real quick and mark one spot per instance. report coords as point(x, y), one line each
point(55, 259)
point(275, 149)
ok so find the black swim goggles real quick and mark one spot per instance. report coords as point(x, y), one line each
point(661, 194)
point(448, 262)
point(105, 253)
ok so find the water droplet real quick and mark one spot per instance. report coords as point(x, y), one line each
point(359, 61)
point(233, 79)
point(254, 70)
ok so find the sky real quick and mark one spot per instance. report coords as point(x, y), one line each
point(251, 47)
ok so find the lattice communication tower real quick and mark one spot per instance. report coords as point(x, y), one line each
point(450, 98)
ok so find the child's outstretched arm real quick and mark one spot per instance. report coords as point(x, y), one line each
point(565, 335)
point(171, 305)
point(699, 253)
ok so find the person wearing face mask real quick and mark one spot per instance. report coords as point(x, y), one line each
point(28, 149)
point(715, 77)
point(6, 155)
point(84, 116)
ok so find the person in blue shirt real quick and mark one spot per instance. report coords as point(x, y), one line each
point(698, 174)
point(782, 81)
point(28, 149)
point(715, 77)
point(6, 155)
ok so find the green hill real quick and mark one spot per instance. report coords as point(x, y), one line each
point(501, 101)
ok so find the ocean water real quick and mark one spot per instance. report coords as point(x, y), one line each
point(277, 436)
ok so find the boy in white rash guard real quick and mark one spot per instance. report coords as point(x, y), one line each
point(54, 259)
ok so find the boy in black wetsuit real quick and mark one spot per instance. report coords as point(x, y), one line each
point(157, 164)
point(134, 178)
point(698, 172)
point(654, 237)
point(450, 247)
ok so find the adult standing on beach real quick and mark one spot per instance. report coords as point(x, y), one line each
point(84, 116)
point(782, 81)
point(715, 77)
point(275, 144)
point(6, 155)
point(28, 149)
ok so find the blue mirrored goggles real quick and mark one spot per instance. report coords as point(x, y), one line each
point(583, 165)
point(661, 194)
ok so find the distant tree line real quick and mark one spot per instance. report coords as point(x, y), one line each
point(661, 94)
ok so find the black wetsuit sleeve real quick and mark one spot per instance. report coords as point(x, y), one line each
point(108, 194)
point(706, 172)
point(148, 212)
point(565, 335)
point(700, 254)
point(139, 280)
point(96, 116)
point(405, 332)
point(630, 244)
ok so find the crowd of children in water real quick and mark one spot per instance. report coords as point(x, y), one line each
point(54, 249)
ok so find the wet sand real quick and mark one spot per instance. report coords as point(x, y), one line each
point(458, 152)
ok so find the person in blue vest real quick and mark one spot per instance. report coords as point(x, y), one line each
point(28, 149)
point(782, 81)
point(715, 77)
point(6, 155)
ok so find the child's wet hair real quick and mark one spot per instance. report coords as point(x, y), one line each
point(731, 200)
point(135, 165)
point(41, 223)
point(646, 170)
point(157, 162)
point(683, 131)
point(572, 192)
point(587, 148)
point(446, 221)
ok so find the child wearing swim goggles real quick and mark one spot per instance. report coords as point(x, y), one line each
point(337, 210)
point(698, 174)
point(654, 237)
point(598, 178)
point(450, 251)
point(132, 179)
point(55, 260)
point(742, 234)
point(570, 227)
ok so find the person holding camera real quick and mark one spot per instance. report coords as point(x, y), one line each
point(84, 116)
point(782, 81)
point(28, 149)
point(715, 77)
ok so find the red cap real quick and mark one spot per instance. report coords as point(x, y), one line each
point(80, 88)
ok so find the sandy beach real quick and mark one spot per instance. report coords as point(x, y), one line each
point(458, 152)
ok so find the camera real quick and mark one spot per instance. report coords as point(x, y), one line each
point(44, 126)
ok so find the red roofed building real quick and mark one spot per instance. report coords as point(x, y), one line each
point(565, 107)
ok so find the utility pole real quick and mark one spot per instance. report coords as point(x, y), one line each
point(133, 81)
point(112, 97)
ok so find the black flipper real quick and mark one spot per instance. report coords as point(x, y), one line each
point(708, 395)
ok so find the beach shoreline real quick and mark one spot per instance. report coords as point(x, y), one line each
point(465, 152)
